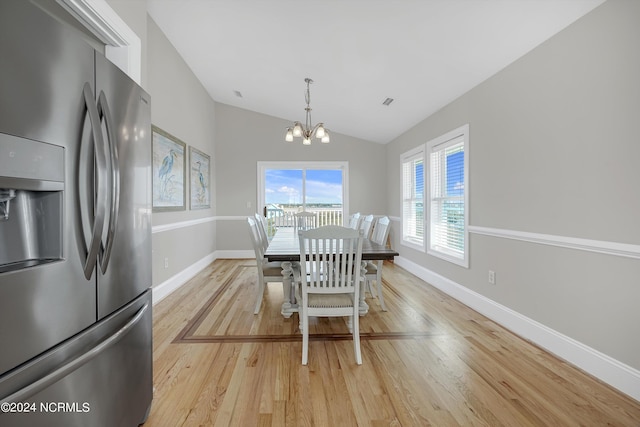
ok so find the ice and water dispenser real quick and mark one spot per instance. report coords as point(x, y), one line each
point(31, 202)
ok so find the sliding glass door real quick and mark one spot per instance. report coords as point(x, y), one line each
point(289, 187)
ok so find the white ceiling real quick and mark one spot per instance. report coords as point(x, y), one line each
point(422, 53)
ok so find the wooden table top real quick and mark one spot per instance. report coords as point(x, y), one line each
point(285, 246)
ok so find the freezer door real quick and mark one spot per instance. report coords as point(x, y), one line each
point(100, 378)
point(43, 68)
point(125, 259)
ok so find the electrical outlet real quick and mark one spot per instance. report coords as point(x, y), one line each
point(492, 277)
point(166, 263)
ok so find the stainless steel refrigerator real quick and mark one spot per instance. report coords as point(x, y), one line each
point(75, 230)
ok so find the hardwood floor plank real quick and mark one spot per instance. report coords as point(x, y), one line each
point(229, 408)
point(429, 360)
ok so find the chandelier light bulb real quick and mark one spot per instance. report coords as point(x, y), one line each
point(320, 131)
point(297, 129)
point(289, 136)
point(325, 139)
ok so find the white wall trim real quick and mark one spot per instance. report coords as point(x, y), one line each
point(181, 224)
point(613, 372)
point(598, 246)
point(123, 46)
point(232, 218)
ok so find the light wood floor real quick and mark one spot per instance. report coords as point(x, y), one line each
point(429, 360)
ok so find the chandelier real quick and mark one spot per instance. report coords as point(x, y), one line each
point(307, 131)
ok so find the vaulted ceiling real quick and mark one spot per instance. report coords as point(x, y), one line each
point(422, 53)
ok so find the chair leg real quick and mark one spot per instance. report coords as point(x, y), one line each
point(356, 338)
point(372, 289)
point(256, 310)
point(379, 283)
point(305, 338)
point(369, 288)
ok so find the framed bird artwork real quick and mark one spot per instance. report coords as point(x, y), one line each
point(169, 171)
point(199, 182)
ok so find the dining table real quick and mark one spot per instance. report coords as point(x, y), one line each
point(284, 247)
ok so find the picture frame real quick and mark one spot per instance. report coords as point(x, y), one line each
point(169, 161)
point(199, 179)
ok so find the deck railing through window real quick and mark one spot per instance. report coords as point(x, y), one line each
point(283, 217)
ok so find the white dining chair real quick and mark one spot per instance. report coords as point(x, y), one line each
point(267, 271)
point(330, 285)
point(374, 269)
point(305, 220)
point(354, 221)
point(366, 225)
point(262, 229)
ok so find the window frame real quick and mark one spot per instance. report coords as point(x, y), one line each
point(436, 145)
point(411, 156)
point(304, 165)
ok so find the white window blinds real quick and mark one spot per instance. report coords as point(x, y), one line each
point(447, 195)
point(413, 198)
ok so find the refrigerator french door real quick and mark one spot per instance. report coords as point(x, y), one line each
point(75, 221)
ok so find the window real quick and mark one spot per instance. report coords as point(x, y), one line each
point(289, 187)
point(448, 196)
point(413, 198)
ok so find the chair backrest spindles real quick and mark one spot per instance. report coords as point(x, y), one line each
point(305, 220)
point(354, 221)
point(366, 226)
point(256, 239)
point(381, 231)
point(334, 255)
point(262, 229)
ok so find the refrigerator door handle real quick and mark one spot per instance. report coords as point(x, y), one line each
point(100, 182)
point(76, 363)
point(114, 203)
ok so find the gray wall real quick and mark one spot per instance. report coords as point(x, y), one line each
point(243, 138)
point(182, 107)
point(554, 150)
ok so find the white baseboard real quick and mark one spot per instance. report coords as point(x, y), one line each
point(163, 289)
point(607, 369)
